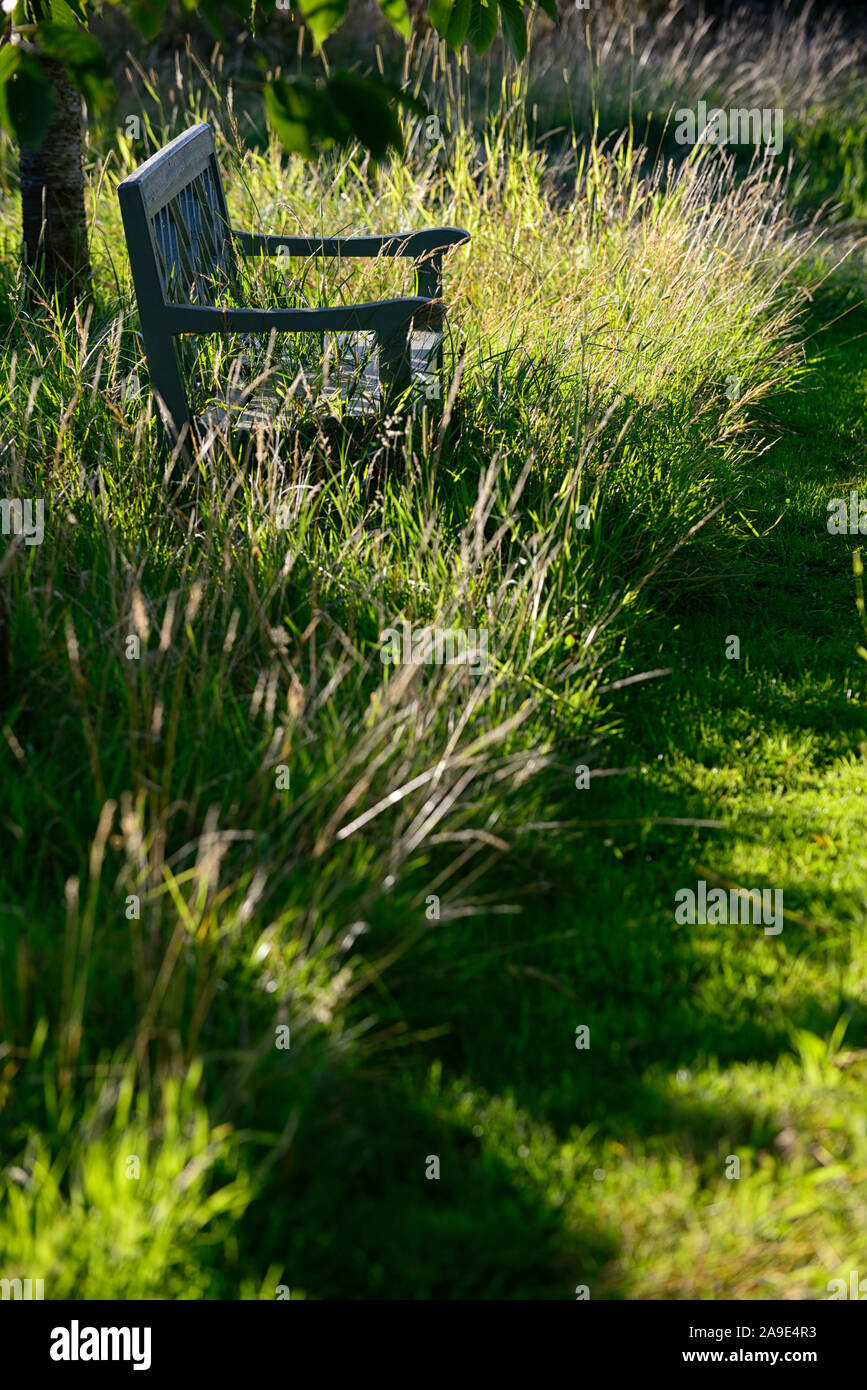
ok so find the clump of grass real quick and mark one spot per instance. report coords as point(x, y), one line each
point(127, 1198)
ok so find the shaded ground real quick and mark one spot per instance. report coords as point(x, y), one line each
point(558, 1164)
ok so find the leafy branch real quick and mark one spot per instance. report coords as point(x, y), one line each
point(306, 115)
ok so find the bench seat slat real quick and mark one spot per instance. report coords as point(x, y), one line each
point(351, 388)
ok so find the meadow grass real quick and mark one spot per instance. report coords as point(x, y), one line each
point(168, 905)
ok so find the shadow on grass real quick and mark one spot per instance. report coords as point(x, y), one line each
point(596, 943)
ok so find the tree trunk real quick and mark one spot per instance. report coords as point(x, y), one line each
point(52, 196)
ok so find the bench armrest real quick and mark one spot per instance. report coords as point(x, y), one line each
point(389, 319)
point(412, 244)
point(425, 249)
point(382, 317)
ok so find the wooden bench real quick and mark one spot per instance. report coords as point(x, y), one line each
point(184, 258)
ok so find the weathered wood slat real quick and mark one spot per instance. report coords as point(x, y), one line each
point(162, 177)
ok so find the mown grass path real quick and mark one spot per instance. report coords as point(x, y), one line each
point(611, 1167)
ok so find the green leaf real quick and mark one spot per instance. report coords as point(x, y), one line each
point(459, 23)
point(440, 13)
point(310, 116)
point(146, 15)
point(550, 8)
point(323, 16)
point(514, 28)
point(397, 15)
point(9, 55)
point(211, 11)
point(29, 101)
point(67, 12)
point(401, 98)
point(300, 116)
point(82, 56)
point(483, 25)
point(365, 108)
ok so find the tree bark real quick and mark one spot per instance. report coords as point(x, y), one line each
point(52, 196)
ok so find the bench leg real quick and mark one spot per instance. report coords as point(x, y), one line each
point(395, 364)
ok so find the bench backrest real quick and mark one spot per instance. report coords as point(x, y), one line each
point(181, 252)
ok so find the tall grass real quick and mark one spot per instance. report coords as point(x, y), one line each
point(168, 904)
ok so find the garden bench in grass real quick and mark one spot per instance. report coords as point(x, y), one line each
point(185, 268)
